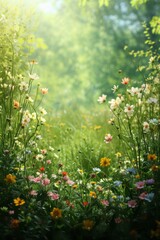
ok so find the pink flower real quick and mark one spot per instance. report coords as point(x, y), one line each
point(53, 196)
point(118, 220)
point(45, 182)
point(143, 195)
point(11, 212)
point(70, 182)
point(66, 178)
point(140, 185)
point(48, 162)
point(132, 203)
point(36, 180)
point(105, 202)
point(108, 138)
point(33, 193)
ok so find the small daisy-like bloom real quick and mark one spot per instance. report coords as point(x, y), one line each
point(16, 104)
point(92, 194)
point(80, 171)
point(44, 151)
point(135, 91)
point(129, 109)
point(146, 127)
point(88, 224)
point(18, 201)
point(105, 202)
point(114, 103)
point(143, 195)
point(125, 81)
point(108, 138)
point(33, 76)
point(10, 178)
point(114, 89)
point(132, 203)
point(105, 162)
point(23, 86)
point(15, 223)
point(111, 121)
point(152, 157)
point(39, 157)
point(74, 186)
point(44, 91)
point(43, 111)
point(11, 212)
point(152, 100)
point(48, 161)
point(102, 98)
point(56, 213)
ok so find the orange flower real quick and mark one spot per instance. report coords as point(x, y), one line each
point(105, 162)
point(18, 201)
point(44, 90)
point(56, 213)
point(16, 104)
point(152, 157)
point(88, 224)
point(125, 81)
point(15, 223)
point(10, 178)
point(92, 194)
point(154, 168)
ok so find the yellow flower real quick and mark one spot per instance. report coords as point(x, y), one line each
point(154, 168)
point(88, 224)
point(152, 157)
point(92, 194)
point(137, 176)
point(74, 186)
point(104, 162)
point(18, 201)
point(10, 178)
point(118, 154)
point(56, 213)
point(97, 127)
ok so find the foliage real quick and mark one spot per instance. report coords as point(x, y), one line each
point(106, 184)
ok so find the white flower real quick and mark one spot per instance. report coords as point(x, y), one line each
point(129, 109)
point(114, 89)
point(42, 111)
point(33, 76)
point(146, 126)
point(39, 157)
point(23, 86)
point(135, 91)
point(114, 103)
point(152, 100)
point(102, 98)
point(108, 138)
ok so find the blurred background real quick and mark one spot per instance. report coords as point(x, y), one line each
point(80, 49)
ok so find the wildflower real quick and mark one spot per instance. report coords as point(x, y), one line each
point(74, 186)
point(48, 161)
point(42, 169)
point(39, 157)
point(11, 212)
point(64, 174)
point(44, 151)
point(125, 81)
point(33, 62)
point(92, 194)
point(142, 195)
point(88, 224)
point(114, 103)
point(111, 121)
point(80, 171)
point(149, 197)
point(131, 170)
point(105, 202)
point(56, 213)
point(45, 181)
point(33, 193)
point(132, 203)
point(118, 154)
point(70, 182)
point(53, 196)
point(33, 76)
point(18, 201)
point(97, 127)
point(43, 111)
point(154, 168)
point(149, 181)
point(152, 157)
point(129, 110)
point(15, 223)
point(102, 98)
point(152, 100)
point(140, 184)
point(108, 138)
point(23, 86)
point(85, 203)
point(105, 162)
point(146, 127)
point(114, 89)
point(135, 91)
point(44, 90)
point(10, 178)
point(16, 104)
point(97, 170)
